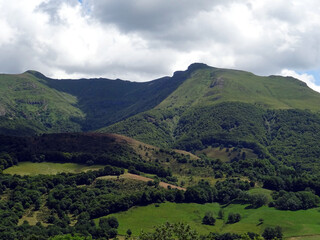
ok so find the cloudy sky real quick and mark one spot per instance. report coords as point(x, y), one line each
point(145, 39)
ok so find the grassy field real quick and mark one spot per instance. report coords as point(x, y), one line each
point(294, 224)
point(226, 154)
point(30, 168)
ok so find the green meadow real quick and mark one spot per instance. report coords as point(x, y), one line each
point(294, 223)
point(30, 168)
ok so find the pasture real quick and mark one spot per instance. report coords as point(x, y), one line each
point(30, 168)
point(295, 224)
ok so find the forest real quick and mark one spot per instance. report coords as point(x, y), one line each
point(73, 201)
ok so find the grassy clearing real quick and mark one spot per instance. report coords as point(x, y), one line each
point(226, 154)
point(33, 217)
point(192, 180)
point(30, 168)
point(294, 224)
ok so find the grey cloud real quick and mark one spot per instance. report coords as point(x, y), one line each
point(24, 55)
point(171, 35)
point(52, 7)
point(282, 10)
point(10, 62)
point(17, 57)
point(179, 25)
point(146, 15)
point(149, 69)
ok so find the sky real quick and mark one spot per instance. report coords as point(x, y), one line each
point(143, 40)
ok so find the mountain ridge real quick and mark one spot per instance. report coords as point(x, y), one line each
point(32, 103)
point(95, 103)
point(219, 107)
point(243, 142)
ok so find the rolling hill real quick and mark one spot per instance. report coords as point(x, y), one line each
point(93, 148)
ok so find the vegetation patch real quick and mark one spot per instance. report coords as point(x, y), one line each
point(142, 178)
point(30, 168)
point(227, 154)
point(293, 223)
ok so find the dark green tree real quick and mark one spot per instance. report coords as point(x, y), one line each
point(270, 233)
point(233, 218)
point(208, 219)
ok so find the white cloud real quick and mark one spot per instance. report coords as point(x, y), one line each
point(76, 45)
point(7, 33)
point(145, 39)
point(304, 77)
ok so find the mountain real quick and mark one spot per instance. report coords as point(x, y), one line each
point(274, 116)
point(29, 106)
point(106, 101)
point(94, 148)
point(243, 141)
point(31, 103)
point(199, 109)
point(210, 86)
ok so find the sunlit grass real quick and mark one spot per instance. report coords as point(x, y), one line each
point(293, 223)
point(30, 168)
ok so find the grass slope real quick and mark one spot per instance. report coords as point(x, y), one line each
point(209, 86)
point(107, 101)
point(233, 108)
point(31, 103)
point(47, 168)
point(28, 106)
point(294, 223)
point(227, 154)
point(101, 149)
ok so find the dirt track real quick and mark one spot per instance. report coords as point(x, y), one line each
point(315, 236)
point(144, 179)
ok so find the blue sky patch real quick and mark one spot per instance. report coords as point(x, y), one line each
point(314, 73)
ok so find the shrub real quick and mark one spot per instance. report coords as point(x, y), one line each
point(234, 217)
point(270, 233)
point(221, 214)
point(208, 219)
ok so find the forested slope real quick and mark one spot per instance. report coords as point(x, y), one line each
point(31, 103)
point(274, 116)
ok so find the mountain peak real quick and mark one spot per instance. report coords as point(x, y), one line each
point(37, 74)
point(192, 67)
point(196, 66)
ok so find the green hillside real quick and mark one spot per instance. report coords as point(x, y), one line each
point(294, 223)
point(28, 106)
point(106, 101)
point(209, 85)
point(197, 109)
point(216, 107)
point(31, 103)
point(93, 148)
point(255, 161)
